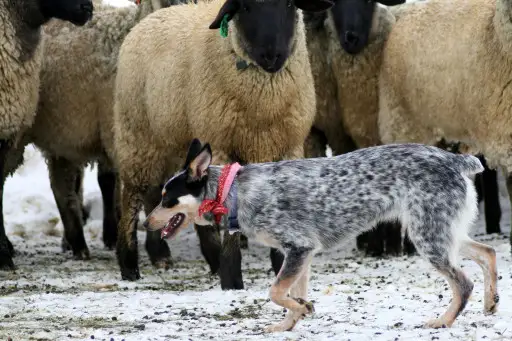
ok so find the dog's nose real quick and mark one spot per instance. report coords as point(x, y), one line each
point(145, 224)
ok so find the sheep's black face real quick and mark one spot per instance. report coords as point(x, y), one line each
point(267, 29)
point(77, 12)
point(353, 22)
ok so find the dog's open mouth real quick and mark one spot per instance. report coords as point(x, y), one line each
point(172, 225)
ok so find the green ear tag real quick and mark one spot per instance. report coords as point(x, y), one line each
point(224, 26)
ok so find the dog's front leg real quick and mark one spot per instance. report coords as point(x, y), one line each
point(294, 277)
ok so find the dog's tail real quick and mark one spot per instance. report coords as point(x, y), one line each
point(468, 164)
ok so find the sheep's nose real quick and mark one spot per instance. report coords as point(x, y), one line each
point(351, 38)
point(270, 57)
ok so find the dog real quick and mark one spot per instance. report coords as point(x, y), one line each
point(304, 206)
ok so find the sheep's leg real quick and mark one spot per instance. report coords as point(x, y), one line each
point(277, 259)
point(210, 244)
point(509, 190)
point(6, 248)
point(409, 247)
point(79, 189)
point(393, 238)
point(107, 180)
point(230, 270)
point(373, 241)
point(79, 177)
point(293, 277)
point(63, 174)
point(490, 194)
point(315, 144)
point(244, 242)
point(127, 244)
point(157, 248)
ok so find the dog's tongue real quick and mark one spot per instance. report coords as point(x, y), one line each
point(172, 226)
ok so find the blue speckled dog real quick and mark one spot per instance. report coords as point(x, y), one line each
point(304, 206)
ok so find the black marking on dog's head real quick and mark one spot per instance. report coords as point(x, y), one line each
point(353, 20)
point(192, 178)
point(266, 28)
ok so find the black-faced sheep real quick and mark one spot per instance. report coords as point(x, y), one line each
point(457, 87)
point(353, 24)
point(76, 104)
point(346, 78)
point(20, 62)
point(250, 94)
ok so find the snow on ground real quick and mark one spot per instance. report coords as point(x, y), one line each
point(53, 297)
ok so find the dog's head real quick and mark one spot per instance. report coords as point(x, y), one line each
point(182, 194)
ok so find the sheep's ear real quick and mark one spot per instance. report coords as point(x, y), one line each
point(390, 2)
point(230, 8)
point(198, 168)
point(314, 5)
point(193, 150)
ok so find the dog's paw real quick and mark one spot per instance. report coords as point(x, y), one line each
point(308, 306)
point(437, 323)
point(491, 304)
point(285, 325)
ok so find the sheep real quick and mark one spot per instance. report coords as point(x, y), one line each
point(251, 94)
point(455, 87)
point(76, 104)
point(331, 122)
point(353, 32)
point(20, 61)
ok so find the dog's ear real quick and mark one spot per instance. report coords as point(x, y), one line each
point(198, 168)
point(314, 5)
point(390, 2)
point(193, 150)
point(230, 8)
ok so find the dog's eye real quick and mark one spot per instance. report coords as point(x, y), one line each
point(169, 202)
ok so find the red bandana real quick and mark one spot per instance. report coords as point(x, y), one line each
point(225, 181)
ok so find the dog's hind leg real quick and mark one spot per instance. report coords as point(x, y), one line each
point(485, 257)
point(294, 276)
point(435, 242)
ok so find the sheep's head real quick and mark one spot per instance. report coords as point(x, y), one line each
point(77, 12)
point(353, 20)
point(265, 29)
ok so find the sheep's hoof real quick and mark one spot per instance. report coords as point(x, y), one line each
point(82, 254)
point(130, 274)
point(65, 245)
point(110, 234)
point(159, 253)
point(6, 262)
point(12, 252)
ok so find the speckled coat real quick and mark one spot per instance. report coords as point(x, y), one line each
point(317, 203)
